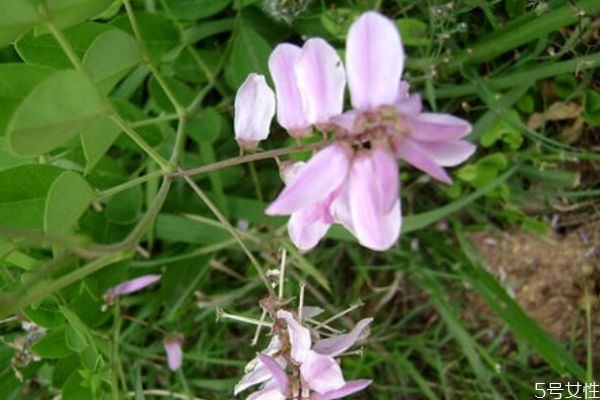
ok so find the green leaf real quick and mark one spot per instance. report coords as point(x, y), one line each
point(110, 57)
point(45, 314)
point(70, 12)
point(45, 50)
point(55, 111)
point(23, 192)
point(503, 131)
point(68, 198)
point(125, 207)
point(16, 82)
point(565, 85)
point(591, 107)
point(413, 31)
point(52, 345)
point(74, 388)
point(206, 126)
point(249, 53)
point(180, 90)
point(97, 139)
point(158, 32)
point(19, 16)
point(196, 9)
point(9, 160)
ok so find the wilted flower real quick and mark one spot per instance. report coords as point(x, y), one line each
point(291, 367)
point(254, 110)
point(354, 181)
point(172, 344)
point(129, 286)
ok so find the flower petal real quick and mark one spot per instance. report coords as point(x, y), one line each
point(448, 154)
point(435, 127)
point(409, 106)
point(336, 345)
point(172, 346)
point(374, 61)
point(386, 171)
point(254, 110)
point(269, 392)
point(373, 227)
point(277, 372)
point(321, 80)
point(410, 151)
point(349, 388)
point(299, 336)
point(306, 228)
point(323, 173)
point(290, 110)
point(321, 373)
point(133, 285)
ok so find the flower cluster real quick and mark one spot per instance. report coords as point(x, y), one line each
point(354, 180)
point(291, 367)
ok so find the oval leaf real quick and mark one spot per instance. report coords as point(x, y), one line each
point(68, 198)
point(110, 57)
point(23, 192)
point(54, 112)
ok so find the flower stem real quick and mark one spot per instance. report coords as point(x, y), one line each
point(247, 158)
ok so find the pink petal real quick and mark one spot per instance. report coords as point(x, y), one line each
point(411, 151)
point(321, 79)
point(256, 371)
point(349, 388)
point(434, 127)
point(321, 373)
point(336, 345)
point(373, 227)
point(323, 173)
point(374, 61)
point(290, 110)
point(133, 285)
point(352, 121)
point(269, 392)
point(306, 228)
point(254, 110)
point(340, 209)
point(386, 171)
point(172, 346)
point(409, 106)
point(299, 336)
point(448, 154)
point(276, 371)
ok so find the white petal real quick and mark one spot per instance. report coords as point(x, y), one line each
point(374, 61)
point(290, 111)
point(449, 154)
point(254, 110)
point(321, 80)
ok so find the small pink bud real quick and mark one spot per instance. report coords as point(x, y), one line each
point(172, 345)
point(129, 286)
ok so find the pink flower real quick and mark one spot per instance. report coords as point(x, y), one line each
point(172, 344)
point(317, 371)
point(127, 287)
point(254, 110)
point(355, 180)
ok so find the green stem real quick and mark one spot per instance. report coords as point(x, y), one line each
point(247, 158)
point(154, 121)
point(231, 230)
point(160, 160)
point(129, 184)
point(46, 288)
point(179, 108)
point(61, 39)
